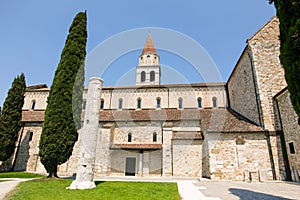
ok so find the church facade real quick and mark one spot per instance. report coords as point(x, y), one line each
point(222, 131)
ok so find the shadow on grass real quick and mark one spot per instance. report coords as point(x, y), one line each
point(250, 195)
point(99, 182)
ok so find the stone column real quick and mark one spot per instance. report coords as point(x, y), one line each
point(88, 143)
point(167, 150)
point(141, 163)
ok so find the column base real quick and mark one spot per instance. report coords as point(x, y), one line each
point(82, 185)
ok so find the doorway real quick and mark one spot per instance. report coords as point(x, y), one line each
point(130, 166)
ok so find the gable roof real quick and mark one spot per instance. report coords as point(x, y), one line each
point(211, 120)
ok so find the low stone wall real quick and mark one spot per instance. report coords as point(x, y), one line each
point(237, 156)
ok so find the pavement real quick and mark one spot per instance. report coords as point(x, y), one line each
point(8, 184)
point(205, 189)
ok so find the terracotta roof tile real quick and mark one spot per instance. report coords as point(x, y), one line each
point(211, 120)
point(33, 116)
point(196, 135)
point(149, 46)
point(136, 146)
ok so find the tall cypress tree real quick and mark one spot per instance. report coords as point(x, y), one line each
point(10, 118)
point(288, 12)
point(59, 132)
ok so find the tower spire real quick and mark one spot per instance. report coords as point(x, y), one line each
point(148, 70)
point(149, 46)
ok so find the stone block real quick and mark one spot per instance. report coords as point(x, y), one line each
point(262, 175)
point(254, 177)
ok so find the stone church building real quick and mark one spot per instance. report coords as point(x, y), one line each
point(243, 129)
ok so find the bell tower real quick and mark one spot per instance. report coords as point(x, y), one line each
point(148, 70)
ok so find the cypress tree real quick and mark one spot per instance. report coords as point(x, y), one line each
point(288, 12)
point(59, 132)
point(10, 118)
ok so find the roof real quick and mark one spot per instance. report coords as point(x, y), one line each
point(211, 120)
point(261, 28)
point(281, 92)
point(38, 87)
point(33, 116)
point(135, 146)
point(187, 135)
point(149, 46)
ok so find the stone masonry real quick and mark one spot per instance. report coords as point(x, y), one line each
point(291, 130)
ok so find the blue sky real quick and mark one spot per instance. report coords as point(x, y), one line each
point(33, 33)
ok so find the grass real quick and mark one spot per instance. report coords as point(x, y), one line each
point(56, 189)
point(19, 175)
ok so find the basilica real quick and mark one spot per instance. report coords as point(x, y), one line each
point(244, 129)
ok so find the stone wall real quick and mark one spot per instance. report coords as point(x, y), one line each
point(118, 161)
point(264, 46)
point(27, 153)
point(40, 98)
point(187, 158)
point(242, 89)
point(168, 95)
point(154, 163)
point(291, 130)
point(27, 158)
point(237, 156)
point(265, 50)
point(141, 132)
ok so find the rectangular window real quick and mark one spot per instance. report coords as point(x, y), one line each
point(157, 103)
point(292, 148)
point(102, 104)
point(139, 103)
point(30, 136)
point(180, 103)
point(120, 103)
point(84, 104)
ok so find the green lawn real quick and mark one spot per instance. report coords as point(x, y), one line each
point(19, 175)
point(55, 189)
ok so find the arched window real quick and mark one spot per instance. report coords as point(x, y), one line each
point(84, 104)
point(33, 104)
point(129, 137)
point(143, 76)
point(214, 101)
point(120, 103)
point(102, 104)
point(158, 101)
point(152, 76)
point(139, 103)
point(154, 137)
point(180, 101)
point(199, 100)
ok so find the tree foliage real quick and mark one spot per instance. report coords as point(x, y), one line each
point(59, 132)
point(288, 12)
point(10, 118)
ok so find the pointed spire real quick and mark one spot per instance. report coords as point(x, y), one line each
point(149, 46)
